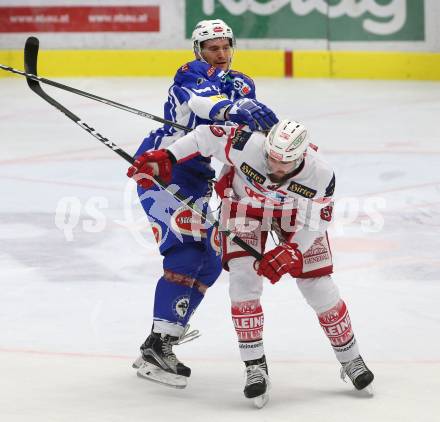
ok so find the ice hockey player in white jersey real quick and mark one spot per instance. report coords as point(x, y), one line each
point(272, 182)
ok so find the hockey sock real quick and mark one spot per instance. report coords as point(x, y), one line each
point(196, 296)
point(248, 321)
point(171, 300)
point(337, 326)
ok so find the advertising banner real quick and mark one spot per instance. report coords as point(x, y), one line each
point(335, 20)
point(80, 19)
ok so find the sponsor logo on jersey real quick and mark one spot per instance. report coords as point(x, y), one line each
point(185, 68)
point(241, 86)
point(318, 253)
point(211, 71)
point(245, 90)
point(240, 138)
point(262, 198)
point(252, 173)
point(247, 236)
point(217, 131)
point(186, 222)
point(301, 190)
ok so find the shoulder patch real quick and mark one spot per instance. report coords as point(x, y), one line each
point(252, 173)
point(240, 138)
point(241, 86)
point(217, 131)
point(330, 189)
point(185, 67)
point(301, 190)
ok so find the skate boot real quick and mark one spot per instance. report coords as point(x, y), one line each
point(158, 350)
point(257, 381)
point(357, 371)
point(159, 364)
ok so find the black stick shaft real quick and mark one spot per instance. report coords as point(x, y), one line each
point(34, 77)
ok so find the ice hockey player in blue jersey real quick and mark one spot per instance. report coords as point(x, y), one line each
point(204, 91)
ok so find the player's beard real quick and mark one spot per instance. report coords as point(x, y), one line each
point(274, 178)
point(281, 179)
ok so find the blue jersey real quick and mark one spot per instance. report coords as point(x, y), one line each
point(197, 96)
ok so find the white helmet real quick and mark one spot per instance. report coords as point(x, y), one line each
point(287, 141)
point(209, 30)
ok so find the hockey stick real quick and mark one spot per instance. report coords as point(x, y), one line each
point(31, 76)
point(30, 64)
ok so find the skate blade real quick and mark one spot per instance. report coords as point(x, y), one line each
point(138, 363)
point(368, 391)
point(261, 401)
point(153, 373)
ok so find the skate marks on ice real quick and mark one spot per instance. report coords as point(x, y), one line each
point(72, 387)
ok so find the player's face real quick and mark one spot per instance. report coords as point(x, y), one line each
point(217, 53)
point(279, 170)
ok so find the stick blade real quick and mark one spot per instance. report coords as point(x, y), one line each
point(30, 60)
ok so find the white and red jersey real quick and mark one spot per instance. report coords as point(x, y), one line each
point(309, 190)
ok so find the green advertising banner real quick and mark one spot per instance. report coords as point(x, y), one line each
point(335, 20)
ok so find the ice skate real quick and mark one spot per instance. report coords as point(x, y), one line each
point(158, 363)
point(257, 382)
point(359, 374)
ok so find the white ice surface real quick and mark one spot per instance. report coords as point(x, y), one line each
point(73, 312)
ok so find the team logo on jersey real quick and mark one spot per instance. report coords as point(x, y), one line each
point(301, 190)
point(180, 306)
point(326, 213)
point(217, 131)
point(252, 173)
point(240, 138)
point(186, 222)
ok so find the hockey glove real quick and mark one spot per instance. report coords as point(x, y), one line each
point(279, 261)
point(267, 116)
point(152, 163)
point(251, 113)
